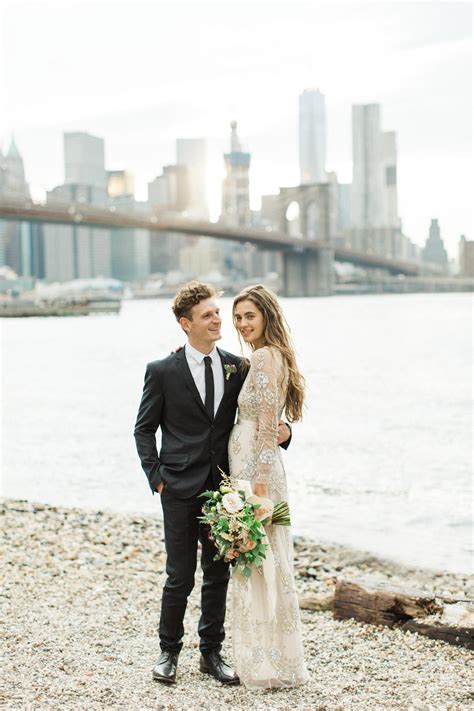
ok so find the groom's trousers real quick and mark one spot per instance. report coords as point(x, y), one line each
point(182, 532)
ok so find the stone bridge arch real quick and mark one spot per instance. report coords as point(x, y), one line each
point(314, 211)
point(306, 273)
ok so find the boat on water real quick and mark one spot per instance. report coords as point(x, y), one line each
point(21, 308)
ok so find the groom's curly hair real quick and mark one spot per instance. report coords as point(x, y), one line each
point(189, 295)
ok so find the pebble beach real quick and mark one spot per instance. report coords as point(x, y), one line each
point(81, 595)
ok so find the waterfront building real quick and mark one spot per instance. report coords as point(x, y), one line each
point(312, 137)
point(159, 193)
point(192, 153)
point(120, 183)
point(201, 258)
point(170, 191)
point(76, 251)
point(164, 250)
point(466, 257)
point(434, 251)
point(21, 245)
point(72, 252)
point(129, 248)
point(375, 224)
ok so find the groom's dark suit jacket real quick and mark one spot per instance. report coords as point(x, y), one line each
point(192, 445)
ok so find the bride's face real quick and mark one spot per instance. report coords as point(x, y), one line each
point(250, 323)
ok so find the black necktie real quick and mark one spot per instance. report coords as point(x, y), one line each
point(209, 402)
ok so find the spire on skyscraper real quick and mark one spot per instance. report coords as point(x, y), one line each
point(13, 151)
point(235, 145)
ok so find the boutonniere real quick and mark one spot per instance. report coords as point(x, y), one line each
point(230, 369)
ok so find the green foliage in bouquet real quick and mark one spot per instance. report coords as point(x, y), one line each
point(236, 528)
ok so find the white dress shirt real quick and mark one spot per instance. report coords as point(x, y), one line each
point(197, 367)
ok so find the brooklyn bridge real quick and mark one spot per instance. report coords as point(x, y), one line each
point(306, 258)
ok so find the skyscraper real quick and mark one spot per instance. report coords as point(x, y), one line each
point(235, 207)
point(391, 218)
point(12, 174)
point(20, 242)
point(84, 160)
point(120, 183)
point(312, 137)
point(376, 226)
point(79, 251)
point(235, 188)
point(434, 251)
point(170, 191)
point(367, 194)
point(192, 153)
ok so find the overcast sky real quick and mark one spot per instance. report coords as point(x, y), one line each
point(142, 74)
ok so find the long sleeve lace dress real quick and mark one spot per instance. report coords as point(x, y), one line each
point(266, 628)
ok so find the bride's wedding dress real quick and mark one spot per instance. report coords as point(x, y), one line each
point(268, 651)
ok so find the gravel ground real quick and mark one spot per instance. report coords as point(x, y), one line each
point(81, 600)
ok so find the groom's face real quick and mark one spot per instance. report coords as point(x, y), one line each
point(205, 325)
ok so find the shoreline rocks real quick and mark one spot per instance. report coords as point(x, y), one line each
point(81, 598)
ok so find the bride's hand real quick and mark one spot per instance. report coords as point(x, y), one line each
point(261, 490)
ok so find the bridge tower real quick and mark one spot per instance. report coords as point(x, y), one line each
point(308, 211)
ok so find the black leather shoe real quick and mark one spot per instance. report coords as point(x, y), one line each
point(214, 665)
point(165, 670)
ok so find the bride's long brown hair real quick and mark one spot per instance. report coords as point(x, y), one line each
point(277, 334)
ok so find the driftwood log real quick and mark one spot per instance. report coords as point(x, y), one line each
point(312, 601)
point(438, 617)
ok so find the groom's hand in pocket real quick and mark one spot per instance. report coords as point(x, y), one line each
point(160, 486)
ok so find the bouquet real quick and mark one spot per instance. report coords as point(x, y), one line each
point(236, 518)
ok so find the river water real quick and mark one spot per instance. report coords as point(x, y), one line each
point(382, 460)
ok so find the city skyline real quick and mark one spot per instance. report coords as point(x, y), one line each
point(423, 72)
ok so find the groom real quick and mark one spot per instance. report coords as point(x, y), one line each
point(192, 395)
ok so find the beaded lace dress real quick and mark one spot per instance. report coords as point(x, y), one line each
point(266, 629)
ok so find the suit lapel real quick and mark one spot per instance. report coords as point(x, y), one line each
point(183, 368)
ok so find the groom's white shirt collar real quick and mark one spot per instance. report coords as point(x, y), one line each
point(198, 356)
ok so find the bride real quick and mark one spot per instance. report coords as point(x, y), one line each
point(268, 651)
